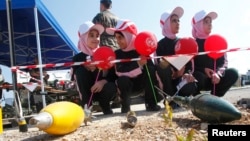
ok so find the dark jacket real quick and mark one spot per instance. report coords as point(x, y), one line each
point(166, 47)
point(204, 61)
point(82, 57)
point(125, 66)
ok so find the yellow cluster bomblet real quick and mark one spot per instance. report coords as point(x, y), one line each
point(59, 118)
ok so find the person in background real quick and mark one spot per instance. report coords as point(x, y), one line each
point(85, 76)
point(132, 76)
point(107, 19)
point(242, 81)
point(3, 84)
point(222, 77)
point(35, 78)
point(168, 74)
point(35, 73)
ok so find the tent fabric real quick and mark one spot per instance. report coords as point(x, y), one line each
point(56, 46)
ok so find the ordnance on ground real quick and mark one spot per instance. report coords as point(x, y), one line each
point(210, 108)
point(131, 120)
point(244, 102)
point(88, 114)
point(59, 118)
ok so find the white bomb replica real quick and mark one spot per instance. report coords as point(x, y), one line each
point(59, 118)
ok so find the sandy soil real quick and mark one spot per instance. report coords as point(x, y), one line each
point(151, 126)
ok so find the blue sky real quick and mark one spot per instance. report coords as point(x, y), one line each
point(233, 20)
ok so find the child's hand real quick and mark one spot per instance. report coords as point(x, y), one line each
point(209, 72)
point(189, 77)
point(215, 78)
point(142, 61)
point(97, 87)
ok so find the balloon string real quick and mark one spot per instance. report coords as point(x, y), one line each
point(91, 96)
point(151, 83)
point(214, 71)
point(192, 61)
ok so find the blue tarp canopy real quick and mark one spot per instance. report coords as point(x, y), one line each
point(56, 47)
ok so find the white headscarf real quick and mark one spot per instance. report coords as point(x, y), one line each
point(197, 23)
point(130, 38)
point(82, 44)
point(166, 29)
point(198, 30)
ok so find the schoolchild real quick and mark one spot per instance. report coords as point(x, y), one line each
point(171, 77)
point(85, 76)
point(221, 76)
point(132, 76)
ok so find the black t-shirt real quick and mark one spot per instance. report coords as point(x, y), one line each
point(204, 61)
point(166, 47)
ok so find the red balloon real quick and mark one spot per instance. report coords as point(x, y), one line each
point(145, 43)
point(186, 45)
point(105, 55)
point(215, 43)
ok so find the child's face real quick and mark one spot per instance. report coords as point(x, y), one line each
point(175, 24)
point(93, 39)
point(207, 25)
point(121, 40)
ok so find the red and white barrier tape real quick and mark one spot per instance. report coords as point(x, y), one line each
point(26, 75)
point(69, 64)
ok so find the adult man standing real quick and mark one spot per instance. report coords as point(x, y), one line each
point(108, 20)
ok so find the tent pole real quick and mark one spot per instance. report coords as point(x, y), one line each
point(39, 55)
point(11, 42)
point(21, 120)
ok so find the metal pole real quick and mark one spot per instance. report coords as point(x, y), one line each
point(1, 125)
point(21, 121)
point(39, 56)
point(11, 41)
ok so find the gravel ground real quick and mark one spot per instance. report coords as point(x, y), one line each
point(150, 126)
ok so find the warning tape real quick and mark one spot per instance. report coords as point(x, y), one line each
point(26, 75)
point(70, 64)
point(19, 85)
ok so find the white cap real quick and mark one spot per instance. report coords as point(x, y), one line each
point(202, 14)
point(164, 16)
point(86, 26)
point(123, 25)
